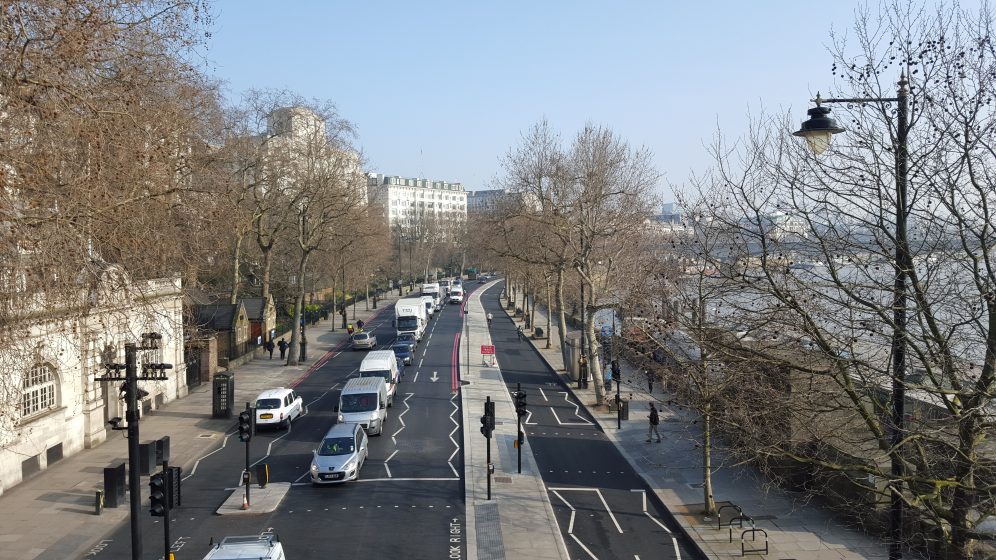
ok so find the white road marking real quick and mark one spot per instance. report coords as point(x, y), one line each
point(542, 392)
point(434, 377)
point(677, 553)
point(414, 379)
point(456, 426)
point(562, 423)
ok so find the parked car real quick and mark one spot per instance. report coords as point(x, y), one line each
point(403, 352)
point(364, 341)
point(278, 407)
point(340, 455)
point(482, 280)
point(407, 338)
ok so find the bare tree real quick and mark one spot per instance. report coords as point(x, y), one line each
point(816, 239)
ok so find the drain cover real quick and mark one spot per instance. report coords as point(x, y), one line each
point(503, 479)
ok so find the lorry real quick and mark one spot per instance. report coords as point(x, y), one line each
point(410, 317)
point(433, 290)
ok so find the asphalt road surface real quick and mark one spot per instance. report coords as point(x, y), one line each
point(604, 509)
point(410, 496)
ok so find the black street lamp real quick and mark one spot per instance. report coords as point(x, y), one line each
point(817, 131)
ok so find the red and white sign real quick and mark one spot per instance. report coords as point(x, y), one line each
point(487, 350)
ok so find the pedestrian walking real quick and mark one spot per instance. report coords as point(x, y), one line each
point(655, 419)
point(650, 381)
point(283, 348)
point(268, 346)
point(489, 319)
point(518, 331)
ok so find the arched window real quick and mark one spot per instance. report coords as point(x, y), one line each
point(38, 391)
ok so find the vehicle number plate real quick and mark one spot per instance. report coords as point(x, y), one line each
point(266, 416)
point(333, 476)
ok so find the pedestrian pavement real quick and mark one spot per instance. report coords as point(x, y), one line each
point(794, 529)
point(51, 516)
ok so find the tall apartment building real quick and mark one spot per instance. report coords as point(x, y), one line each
point(485, 201)
point(406, 200)
point(297, 133)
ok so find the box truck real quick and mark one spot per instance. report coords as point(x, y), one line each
point(410, 316)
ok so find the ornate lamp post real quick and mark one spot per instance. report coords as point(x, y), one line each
point(817, 131)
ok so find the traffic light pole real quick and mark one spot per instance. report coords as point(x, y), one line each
point(168, 498)
point(246, 477)
point(518, 427)
point(134, 478)
point(487, 411)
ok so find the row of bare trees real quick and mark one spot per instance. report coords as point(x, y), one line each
point(770, 309)
point(574, 216)
point(119, 153)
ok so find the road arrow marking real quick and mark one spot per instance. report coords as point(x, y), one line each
point(434, 377)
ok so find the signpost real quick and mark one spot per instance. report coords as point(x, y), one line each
point(488, 355)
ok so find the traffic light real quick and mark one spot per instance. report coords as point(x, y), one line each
point(488, 419)
point(245, 426)
point(616, 374)
point(520, 402)
point(486, 426)
point(157, 494)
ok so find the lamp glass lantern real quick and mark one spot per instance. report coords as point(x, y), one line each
point(819, 128)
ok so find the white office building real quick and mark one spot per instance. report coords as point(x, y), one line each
point(406, 200)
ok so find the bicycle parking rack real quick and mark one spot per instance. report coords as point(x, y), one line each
point(740, 519)
point(719, 514)
point(744, 551)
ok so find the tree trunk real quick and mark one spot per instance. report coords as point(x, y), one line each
point(294, 351)
point(549, 311)
point(709, 502)
point(236, 257)
point(532, 311)
point(561, 317)
point(594, 367)
point(962, 500)
point(267, 265)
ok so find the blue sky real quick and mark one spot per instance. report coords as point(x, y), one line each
point(443, 89)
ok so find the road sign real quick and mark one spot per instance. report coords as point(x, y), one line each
point(485, 349)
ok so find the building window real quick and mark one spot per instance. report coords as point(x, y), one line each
point(38, 391)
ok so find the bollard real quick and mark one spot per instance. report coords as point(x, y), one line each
point(98, 505)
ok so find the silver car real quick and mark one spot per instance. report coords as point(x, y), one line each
point(364, 341)
point(340, 455)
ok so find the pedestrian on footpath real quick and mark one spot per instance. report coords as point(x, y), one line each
point(268, 346)
point(519, 332)
point(650, 381)
point(283, 348)
point(655, 419)
point(489, 319)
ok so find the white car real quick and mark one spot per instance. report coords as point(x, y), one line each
point(278, 407)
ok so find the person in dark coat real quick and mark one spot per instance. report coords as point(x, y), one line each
point(655, 419)
point(268, 346)
point(283, 348)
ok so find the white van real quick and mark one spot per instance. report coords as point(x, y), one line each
point(430, 304)
point(264, 547)
point(456, 294)
point(383, 364)
point(363, 401)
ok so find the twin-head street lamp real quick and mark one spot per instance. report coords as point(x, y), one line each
point(817, 131)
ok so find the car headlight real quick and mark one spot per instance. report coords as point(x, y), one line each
point(314, 467)
point(349, 465)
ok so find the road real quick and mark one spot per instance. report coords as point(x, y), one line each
point(410, 494)
point(603, 507)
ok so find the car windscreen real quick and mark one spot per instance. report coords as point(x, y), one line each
point(360, 336)
point(359, 402)
point(405, 323)
point(382, 373)
point(267, 404)
point(401, 350)
point(336, 446)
